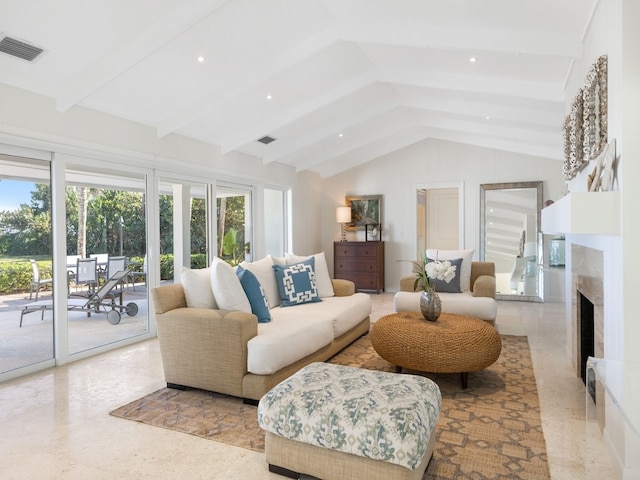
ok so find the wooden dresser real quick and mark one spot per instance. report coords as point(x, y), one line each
point(360, 262)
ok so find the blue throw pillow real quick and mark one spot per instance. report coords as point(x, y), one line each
point(255, 294)
point(297, 283)
point(454, 285)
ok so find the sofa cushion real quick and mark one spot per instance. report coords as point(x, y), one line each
point(297, 283)
point(255, 294)
point(464, 303)
point(465, 270)
point(197, 287)
point(263, 270)
point(226, 287)
point(288, 338)
point(323, 279)
point(452, 286)
point(344, 313)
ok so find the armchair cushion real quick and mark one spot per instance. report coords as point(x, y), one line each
point(465, 270)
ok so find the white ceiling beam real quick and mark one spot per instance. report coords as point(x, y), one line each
point(477, 84)
point(131, 52)
point(498, 143)
point(395, 125)
point(290, 115)
point(473, 40)
point(531, 116)
point(366, 153)
point(250, 79)
point(316, 136)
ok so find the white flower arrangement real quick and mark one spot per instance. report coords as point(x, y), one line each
point(435, 270)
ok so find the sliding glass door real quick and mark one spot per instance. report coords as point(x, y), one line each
point(26, 284)
point(105, 221)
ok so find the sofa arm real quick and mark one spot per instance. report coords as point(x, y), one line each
point(485, 286)
point(206, 348)
point(168, 297)
point(407, 283)
point(342, 287)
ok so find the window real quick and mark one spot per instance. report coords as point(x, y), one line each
point(233, 213)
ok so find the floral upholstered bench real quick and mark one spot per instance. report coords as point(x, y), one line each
point(338, 422)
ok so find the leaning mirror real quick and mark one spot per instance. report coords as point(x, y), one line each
point(510, 237)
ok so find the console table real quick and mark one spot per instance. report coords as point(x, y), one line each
point(360, 262)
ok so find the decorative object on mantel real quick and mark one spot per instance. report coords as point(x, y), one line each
point(585, 127)
point(601, 178)
point(343, 216)
point(365, 209)
point(373, 232)
point(547, 203)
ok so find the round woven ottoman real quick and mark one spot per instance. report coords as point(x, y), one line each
point(452, 344)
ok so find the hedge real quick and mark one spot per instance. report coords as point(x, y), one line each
point(15, 277)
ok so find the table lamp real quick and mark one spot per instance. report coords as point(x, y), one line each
point(343, 216)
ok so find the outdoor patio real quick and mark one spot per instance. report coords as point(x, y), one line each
point(33, 342)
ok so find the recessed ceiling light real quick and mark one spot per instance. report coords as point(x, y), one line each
point(487, 117)
point(269, 97)
point(340, 135)
point(473, 59)
point(200, 59)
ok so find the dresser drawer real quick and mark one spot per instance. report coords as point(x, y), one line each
point(356, 264)
point(345, 251)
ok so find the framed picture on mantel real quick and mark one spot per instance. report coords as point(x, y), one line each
point(365, 210)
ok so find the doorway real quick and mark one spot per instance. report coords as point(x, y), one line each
point(439, 218)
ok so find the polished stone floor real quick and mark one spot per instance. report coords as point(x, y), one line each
point(55, 424)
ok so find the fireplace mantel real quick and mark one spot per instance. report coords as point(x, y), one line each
point(587, 213)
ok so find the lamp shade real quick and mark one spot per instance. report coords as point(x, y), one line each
point(343, 214)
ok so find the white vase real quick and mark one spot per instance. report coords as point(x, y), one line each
point(430, 305)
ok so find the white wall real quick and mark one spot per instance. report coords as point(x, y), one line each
point(397, 176)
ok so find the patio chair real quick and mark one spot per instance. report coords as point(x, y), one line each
point(142, 274)
point(37, 281)
point(87, 274)
point(117, 264)
point(103, 297)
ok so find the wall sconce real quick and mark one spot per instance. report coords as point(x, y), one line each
point(343, 216)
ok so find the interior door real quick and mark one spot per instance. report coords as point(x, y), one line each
point(442, 220)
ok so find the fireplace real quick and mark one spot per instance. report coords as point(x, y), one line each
point(587, 338)
point(587, 270)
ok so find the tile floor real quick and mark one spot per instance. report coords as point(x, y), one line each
point(55, 424)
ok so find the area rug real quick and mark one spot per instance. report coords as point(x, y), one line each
point(492, 430)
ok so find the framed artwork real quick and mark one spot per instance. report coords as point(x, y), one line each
point(365, 209)
point(373, 232)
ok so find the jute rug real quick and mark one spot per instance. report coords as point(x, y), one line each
point(492, 430)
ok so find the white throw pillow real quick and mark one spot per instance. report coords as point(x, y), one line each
point(197, 288)
point(465, 270)
point(263, 270)
point(323, 279)
point(226, 287)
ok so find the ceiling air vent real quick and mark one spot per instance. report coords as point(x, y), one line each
point(266, 139)
point(19, 49)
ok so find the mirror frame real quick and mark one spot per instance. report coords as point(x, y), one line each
point(539, 237)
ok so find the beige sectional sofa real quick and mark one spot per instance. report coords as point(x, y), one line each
point(228, 351)
point(477, 296)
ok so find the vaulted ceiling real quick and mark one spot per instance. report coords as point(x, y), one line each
point(337, 83)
